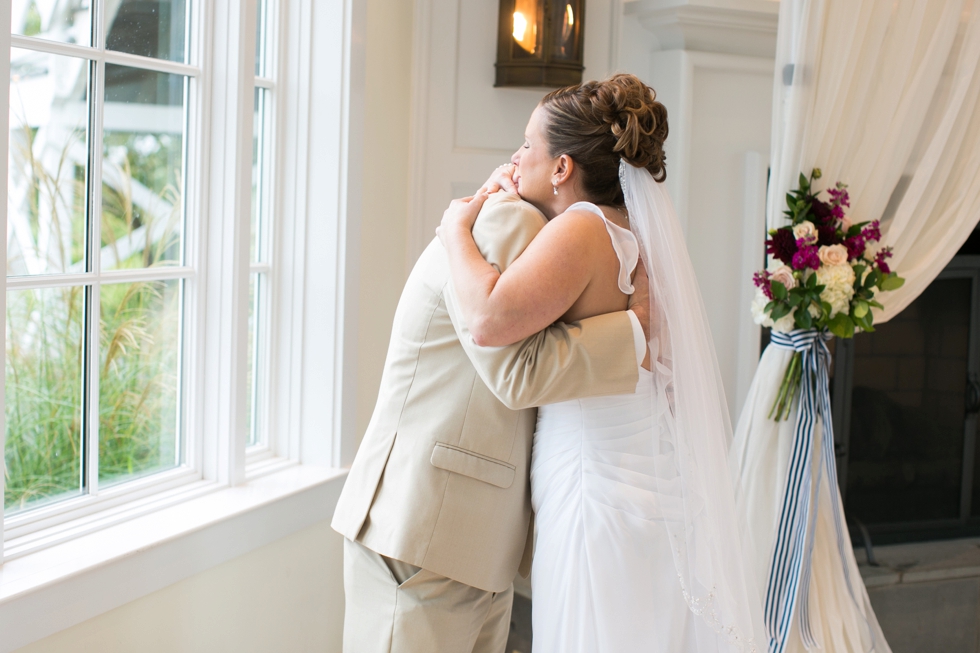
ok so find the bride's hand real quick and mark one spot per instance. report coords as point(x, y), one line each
point(501, 179)
point(460, 217)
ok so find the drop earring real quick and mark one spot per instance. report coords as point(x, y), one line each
point(556, 188)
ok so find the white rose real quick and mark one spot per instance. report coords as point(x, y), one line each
point(833, 254)
point(805, 230)
point(838, 283)
point(784, 275)
point(759, 316)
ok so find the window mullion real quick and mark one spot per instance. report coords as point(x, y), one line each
point(4, 137)
point(228, 238)
point(92, 313)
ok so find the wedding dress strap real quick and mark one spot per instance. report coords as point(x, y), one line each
point(623, 242)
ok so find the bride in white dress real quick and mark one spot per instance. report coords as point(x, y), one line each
point(636, 543)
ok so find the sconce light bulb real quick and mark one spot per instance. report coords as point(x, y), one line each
point(520, 26)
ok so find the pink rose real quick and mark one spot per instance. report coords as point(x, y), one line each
point(833, 254)
point(805, 231)
point(784, 275)
point(845, 224)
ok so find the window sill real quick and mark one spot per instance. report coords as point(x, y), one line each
point(52, 589)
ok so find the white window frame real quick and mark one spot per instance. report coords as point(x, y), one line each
point(313, 266)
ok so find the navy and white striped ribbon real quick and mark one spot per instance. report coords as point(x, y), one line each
point(789, 570)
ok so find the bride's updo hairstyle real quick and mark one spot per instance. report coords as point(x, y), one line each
point(599, 123)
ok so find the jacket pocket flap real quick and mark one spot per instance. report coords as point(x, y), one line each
point(467, 463)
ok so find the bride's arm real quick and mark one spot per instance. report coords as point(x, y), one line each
point(535, 291)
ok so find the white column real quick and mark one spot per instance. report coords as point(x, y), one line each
point(711, 63)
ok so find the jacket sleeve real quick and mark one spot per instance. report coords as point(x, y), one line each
point(592, 357)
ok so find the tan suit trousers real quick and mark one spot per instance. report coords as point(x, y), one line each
point(395, 607)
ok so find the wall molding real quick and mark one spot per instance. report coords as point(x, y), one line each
point(741, 27)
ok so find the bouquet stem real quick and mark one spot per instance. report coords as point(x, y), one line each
point(787, 389)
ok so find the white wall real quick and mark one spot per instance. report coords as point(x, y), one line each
point(464, 127)
point(384, 208)
point(282, 597)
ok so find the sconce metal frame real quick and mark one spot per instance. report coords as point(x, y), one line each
point(540, 43)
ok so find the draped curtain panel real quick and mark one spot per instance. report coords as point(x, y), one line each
point(883, 95)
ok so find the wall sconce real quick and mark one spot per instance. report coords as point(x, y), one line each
point(540, 43)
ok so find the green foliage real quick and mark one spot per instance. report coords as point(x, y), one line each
point(138, 352)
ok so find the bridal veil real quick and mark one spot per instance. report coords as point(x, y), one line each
point(714, 566)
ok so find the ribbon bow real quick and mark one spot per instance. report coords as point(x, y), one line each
point(789, 571)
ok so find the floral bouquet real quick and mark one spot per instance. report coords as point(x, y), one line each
point(823, 274)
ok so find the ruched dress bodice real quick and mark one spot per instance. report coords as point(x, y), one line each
point(603, 577)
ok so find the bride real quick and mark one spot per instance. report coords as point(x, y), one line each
point(636, 543)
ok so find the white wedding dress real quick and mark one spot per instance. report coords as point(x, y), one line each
point(603, 577)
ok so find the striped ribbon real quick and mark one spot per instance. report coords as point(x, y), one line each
point(789, 571)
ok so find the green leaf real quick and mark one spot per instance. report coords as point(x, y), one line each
point(811, 282)
point(778, 290)
point(875, 304)
point(780, 311)
point(827, 308)
point(802, 318)
point(891, 282)
point(790, 201)
point(860, 309)
point(841, 326)
point(769, 307)
point(804, 182)
point(795, 299)
point(872, 279)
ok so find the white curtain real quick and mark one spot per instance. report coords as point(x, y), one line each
point(884, 95)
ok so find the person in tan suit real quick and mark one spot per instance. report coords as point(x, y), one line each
point(436, 508)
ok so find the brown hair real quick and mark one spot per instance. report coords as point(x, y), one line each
point(599, 123)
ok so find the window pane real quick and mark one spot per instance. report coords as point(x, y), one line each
point(142, 168)
point(254, 403)
point(260, 32)
point(43, 451)
point(48, 160)
point(68, 21)
point(148, 28)
point(139, 380)
point(907, 416)
point(260, 174)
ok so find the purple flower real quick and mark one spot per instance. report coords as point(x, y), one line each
point(880, 258)
point(761, 280)
point(839, 196)
point(855, 247)
point(837, 212)
point(872, 231)
point(808, 256)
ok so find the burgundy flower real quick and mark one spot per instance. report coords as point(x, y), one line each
point(808, 256)
point(827, 235)
point(761, 280)
point(782, 245)
point(821, 211)
point(855, 247)
point(872, 231)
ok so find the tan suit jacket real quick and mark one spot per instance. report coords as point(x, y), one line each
point(440, 480)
